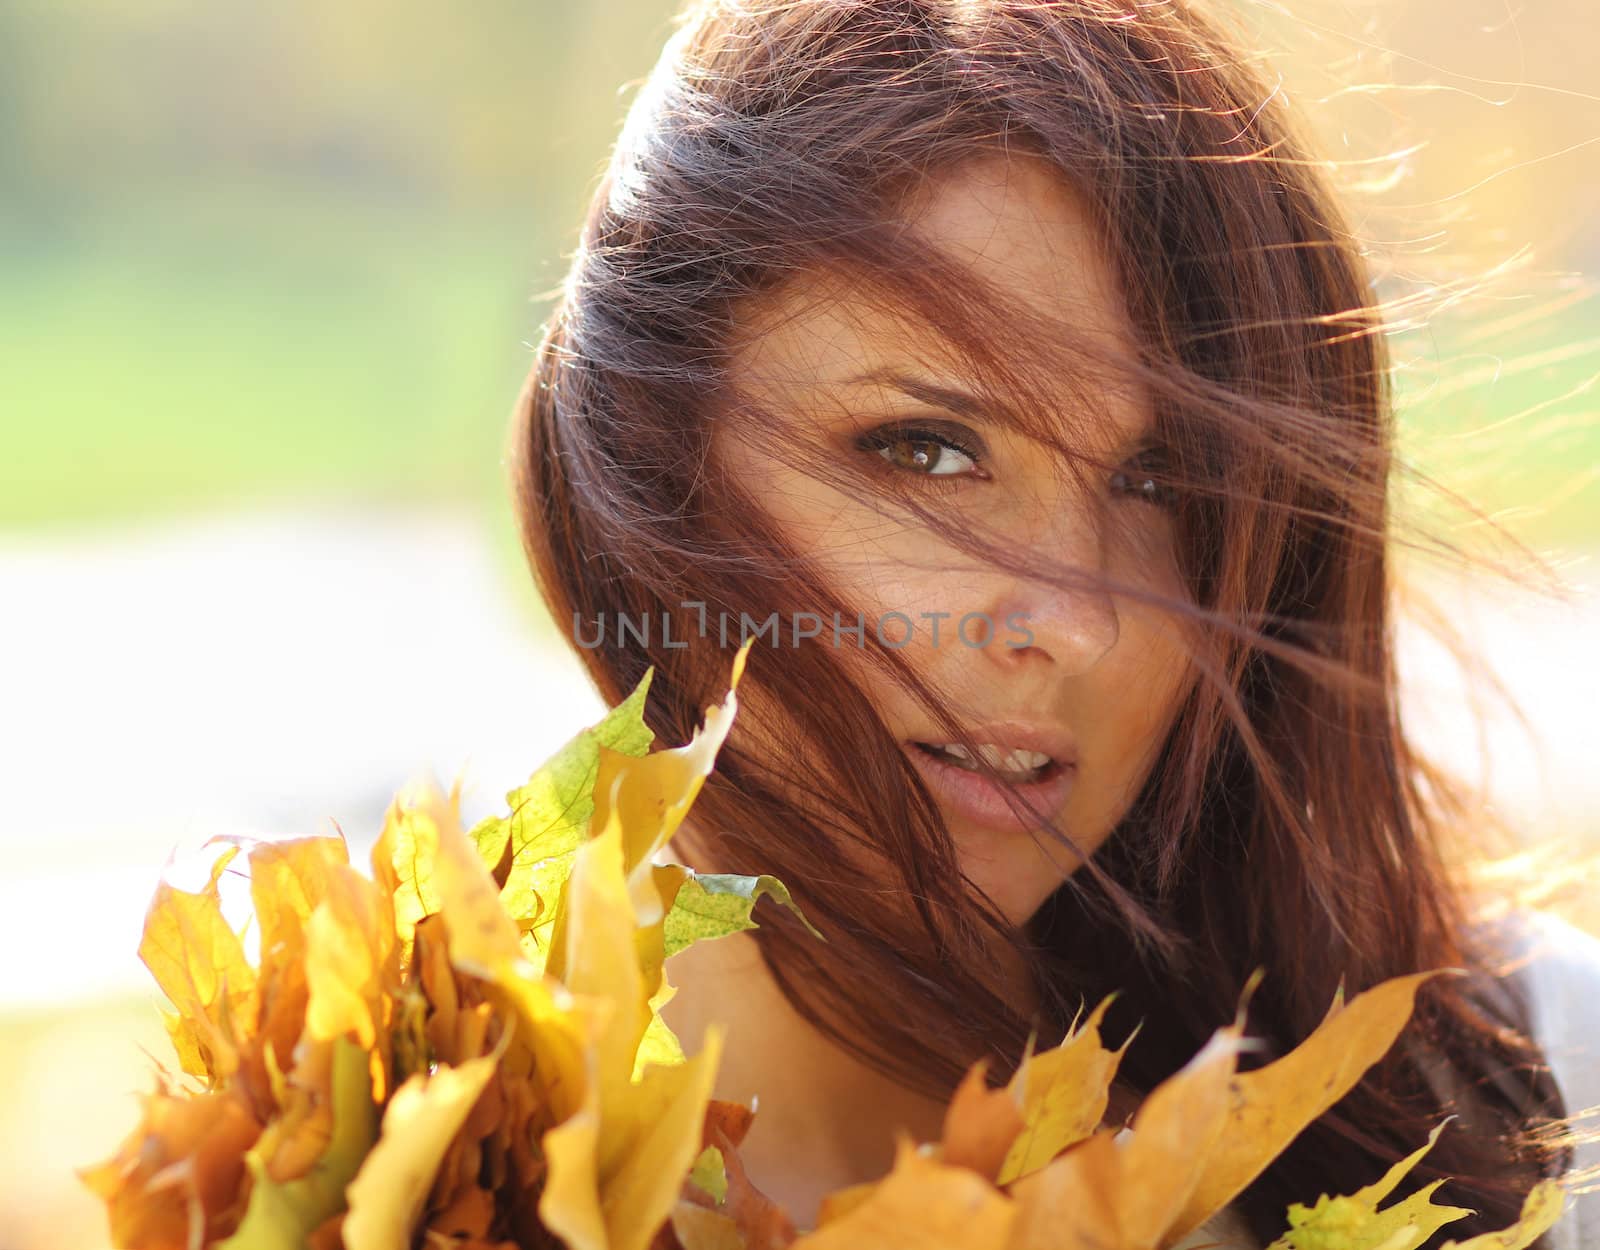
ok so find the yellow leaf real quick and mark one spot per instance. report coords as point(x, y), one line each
point(282, 1215)
point(700, 1228)
point(1540, 1211)
point(422, 1119)
point(660, 1044)
point(1172, 1135)
point(648, 797)
point(1272, 1105)
point(560, 1032)
point(1070, 1203)
point(545, 882)
point(618, 1162)
point(403, 865)
point(709, 1174)
point(483, 938)
point(648, 1143)
point(1354, 1222)
point(921, 1205)
point(347, 948)
point(1121, 1191)
point(1063, 1094)
point(980, 1125)
point(1371, 1195)
point(600, 957)
point(569, 1205)
point(288, 879)
point(199, 963)
point(186, 1041)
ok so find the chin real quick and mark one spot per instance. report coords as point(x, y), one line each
point(1017, 884)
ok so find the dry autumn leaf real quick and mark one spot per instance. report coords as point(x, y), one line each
point(387, 1195)
point(1271, 1105)
point(1063, 1094)
point(466, 1048)
point(980, 1125)
point(1134, 1190)
point(420, 994)
point(920, 1205)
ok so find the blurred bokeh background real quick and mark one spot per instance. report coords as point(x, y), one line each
point(271, 275)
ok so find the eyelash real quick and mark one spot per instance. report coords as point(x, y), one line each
point(879, 440)
point(950, 438)
point(1162, 495)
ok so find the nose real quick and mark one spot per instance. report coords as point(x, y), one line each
point(1067, 627)
point(1067, 624)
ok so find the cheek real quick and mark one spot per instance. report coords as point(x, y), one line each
point(874, 562)
point(1140, 696)
point(1151, 671)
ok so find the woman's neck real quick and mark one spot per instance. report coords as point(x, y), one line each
point(824, 1119)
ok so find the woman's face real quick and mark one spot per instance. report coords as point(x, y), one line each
point(1091, 682)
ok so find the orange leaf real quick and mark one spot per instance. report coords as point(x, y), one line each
point(980, 1125)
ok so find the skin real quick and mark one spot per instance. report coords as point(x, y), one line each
point(1110, 674)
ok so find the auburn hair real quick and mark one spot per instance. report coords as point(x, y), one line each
point(1289, 824)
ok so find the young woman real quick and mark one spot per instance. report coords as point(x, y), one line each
point(1009, 370)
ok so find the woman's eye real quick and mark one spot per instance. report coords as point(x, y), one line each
point(924, 450)
point(1142, 480)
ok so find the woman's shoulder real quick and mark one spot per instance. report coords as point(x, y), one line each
point(1557, 966)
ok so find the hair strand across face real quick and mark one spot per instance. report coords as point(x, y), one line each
point(1288, 823)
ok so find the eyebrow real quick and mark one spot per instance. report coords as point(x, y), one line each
point(962, 403)
point(953, 400)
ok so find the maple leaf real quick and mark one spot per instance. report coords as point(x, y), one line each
point(1272, 1105)
point(921, 1205)
point(177, 1174)
point(387, 1194)
point(1062, 1093)
point(980, 1125)
point(467, 1048)
point(1124, 1190)
point(1540, 1211)
point(282, 1214)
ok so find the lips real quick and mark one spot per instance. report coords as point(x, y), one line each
point(965, 790)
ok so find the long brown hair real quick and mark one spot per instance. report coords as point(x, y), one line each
point(1288, 823)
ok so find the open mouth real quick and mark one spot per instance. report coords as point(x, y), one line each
point(988, 800)
point(1017, 766)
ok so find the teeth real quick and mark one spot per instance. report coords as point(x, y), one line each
point(1017, 761)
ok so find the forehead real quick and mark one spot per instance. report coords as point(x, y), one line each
point(1012, 219)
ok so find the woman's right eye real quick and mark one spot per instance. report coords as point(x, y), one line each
point(1144, 482)
point(926, 450)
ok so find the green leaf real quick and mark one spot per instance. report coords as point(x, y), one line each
point(1540, 1210)
point(713, 905)
point(282, 1216)
point(1355, 1223)
point(710, 1175)
point(419, 1126)
point(658, 1047)
point(549, 814)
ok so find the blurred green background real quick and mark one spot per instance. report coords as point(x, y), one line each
point(271, 275)
point(257, 250)
point(254, 250)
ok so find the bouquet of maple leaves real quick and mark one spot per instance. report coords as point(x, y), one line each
point(465, 1049)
